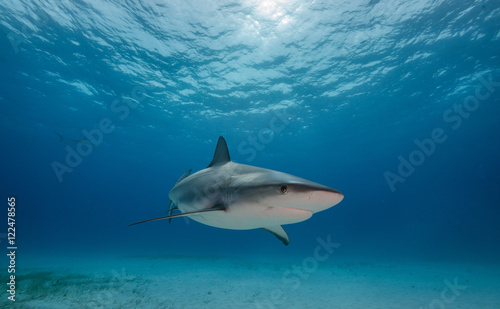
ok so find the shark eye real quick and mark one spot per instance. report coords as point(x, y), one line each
point(284, 189)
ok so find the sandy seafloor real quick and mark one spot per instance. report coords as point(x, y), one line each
point(247, 282)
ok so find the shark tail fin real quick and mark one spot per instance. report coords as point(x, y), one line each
point(184, 176)
point(171, 209)
point(172, 206)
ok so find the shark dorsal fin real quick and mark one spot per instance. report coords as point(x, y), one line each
point(221, 155)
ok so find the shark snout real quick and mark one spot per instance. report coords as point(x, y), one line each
point(320, 200)
point(316, 199)
point(308, 195)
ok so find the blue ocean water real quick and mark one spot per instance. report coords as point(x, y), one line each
point(394, 103)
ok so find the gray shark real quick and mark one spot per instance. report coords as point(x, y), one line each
point(73, 141)
point(235, 196)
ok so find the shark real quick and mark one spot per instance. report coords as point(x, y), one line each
point(74, 141)
point(235, 196)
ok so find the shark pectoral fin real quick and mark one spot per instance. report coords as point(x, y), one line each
point(186, 214)
point(279, 232)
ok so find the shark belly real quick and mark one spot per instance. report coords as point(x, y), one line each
point(250, 216)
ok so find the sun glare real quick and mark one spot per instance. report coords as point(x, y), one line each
point(271, 9)
point(275, 11)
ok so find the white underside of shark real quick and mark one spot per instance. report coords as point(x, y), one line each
point(235, 196)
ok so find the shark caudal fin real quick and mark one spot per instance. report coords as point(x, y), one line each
point(221, 155)
point(184, 176)
point(172, 206)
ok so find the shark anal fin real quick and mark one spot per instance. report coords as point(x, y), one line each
point(185, 214)
point(279, 232)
